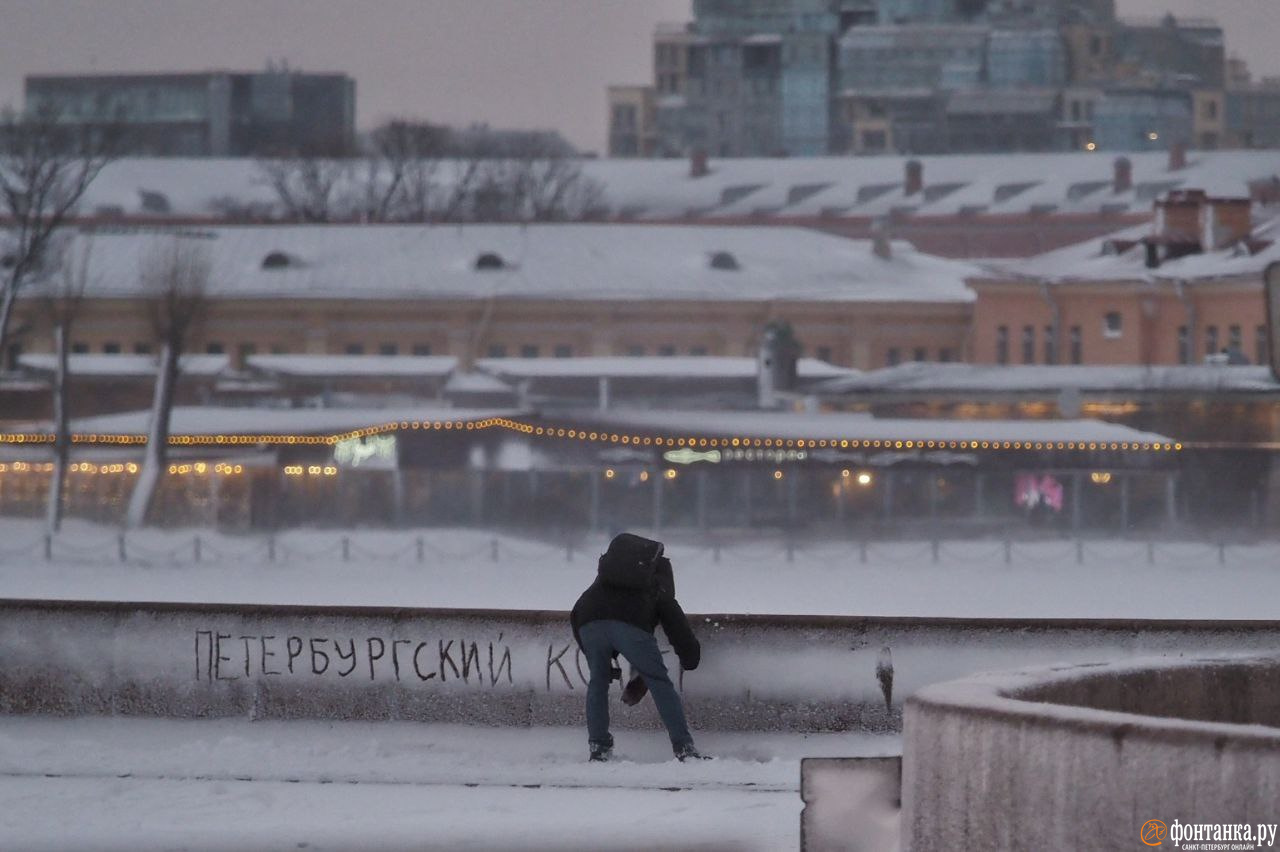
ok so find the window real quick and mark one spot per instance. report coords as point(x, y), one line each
point(279, 349)
point(1211, 340)
point(1211, 109)
point(111, 348)
point(421, 349)
point(1260, 346)
point(893, 357)
point(355, 349)
point(388, 349)
point(666, 350)
point(142, 349)
point(945, 355)
point(1112, 324)
point(245, 350)
point(1002, 344)
point(1235, 341)
point(1077, 345)
point(1050, 346)
point(497, 350)
point(823, 353)
point(214, 348)
point(635, 351)
point(1028, 344)
point(874, 140)
point(563, 350)
point(918, 354)
point(1095, 45)
point(529, 350)
point(80, 348)
point(1184, 345)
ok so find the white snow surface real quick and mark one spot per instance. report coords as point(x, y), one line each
point(214, 420)
point(98, 784)
point(1087, 261)
point(1185, 580)
point(599, 262)
point(125, 365)
point(861, 427)
point(354, 365)
point(649, 367)
point(982, 378)
point(1072, 182)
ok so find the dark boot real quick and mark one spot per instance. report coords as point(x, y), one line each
point(689, 752)
point(601, 751)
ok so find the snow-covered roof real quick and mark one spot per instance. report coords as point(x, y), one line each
point(475, 383)
point(648, 367)
point(977, 378)
point(124, 366)
point(1088, 261)
point(434, 366)
point(861, 427)
point(577, 261)
point(209, 420)
point(663, 189)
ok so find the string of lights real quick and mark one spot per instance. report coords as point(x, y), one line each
point(600, 435)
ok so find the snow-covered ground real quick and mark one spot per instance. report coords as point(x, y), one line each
point(91, 783)
point(479, 569)
point(134, 784)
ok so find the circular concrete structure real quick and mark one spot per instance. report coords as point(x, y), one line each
point(1082, 756)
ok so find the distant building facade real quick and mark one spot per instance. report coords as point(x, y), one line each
point(813, 77)
point(631, 124)
point(209, 114)
point(1188, 291)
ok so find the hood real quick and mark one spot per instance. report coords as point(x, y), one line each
point(629, 561)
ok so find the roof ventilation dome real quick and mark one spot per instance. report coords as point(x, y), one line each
point(724, 260)
point(277, 260)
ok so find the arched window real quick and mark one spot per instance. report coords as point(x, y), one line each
point(490, 260)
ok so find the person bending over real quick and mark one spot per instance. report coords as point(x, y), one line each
point(634, 592)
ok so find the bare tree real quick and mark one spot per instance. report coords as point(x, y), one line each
point(535, 177)
point(307, 186)
point(61, 304)
point(401, 170)
point(175, 275)
point(45, 168)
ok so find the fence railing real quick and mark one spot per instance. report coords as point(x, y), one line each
point(159, 548)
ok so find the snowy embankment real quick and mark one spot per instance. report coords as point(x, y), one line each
point(463, 568)
point(229, 784)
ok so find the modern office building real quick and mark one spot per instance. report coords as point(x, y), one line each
point(812, 77)
point(208, 114)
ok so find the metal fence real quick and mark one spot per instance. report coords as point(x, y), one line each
point(149, 547)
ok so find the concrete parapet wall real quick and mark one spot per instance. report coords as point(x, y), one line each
point(1081, 757)
point(521, 667)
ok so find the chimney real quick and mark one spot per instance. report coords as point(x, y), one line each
point(698, 163)
point(776, 363)
point(913, 178)
point(1224, 222)
point(1179, 216)
point(1177, 156)
point(1122, 175)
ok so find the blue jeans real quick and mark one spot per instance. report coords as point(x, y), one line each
point(600, 639)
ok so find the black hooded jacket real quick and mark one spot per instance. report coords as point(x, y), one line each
point(635, 584)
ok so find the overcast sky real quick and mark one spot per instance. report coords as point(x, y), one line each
point(511, 63)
